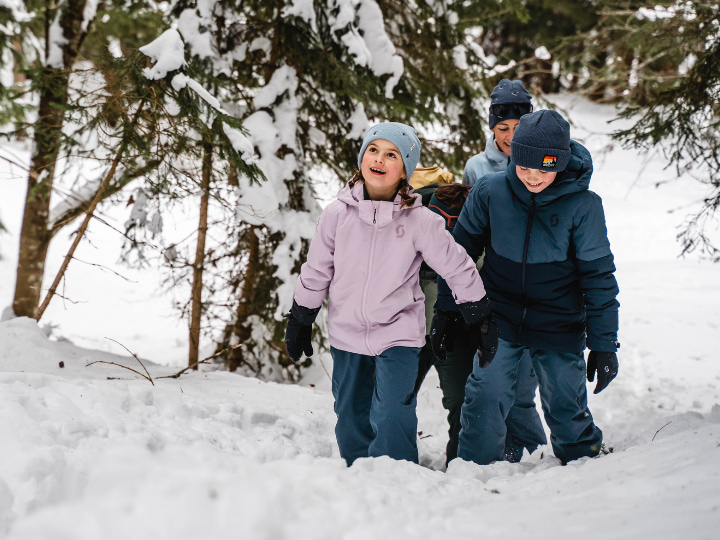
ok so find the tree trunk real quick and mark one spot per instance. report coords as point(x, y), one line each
point(196, 310)
point(246, 303)
point(53, 92)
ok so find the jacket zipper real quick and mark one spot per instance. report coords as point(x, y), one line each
point(367, 285)
point(526, 247)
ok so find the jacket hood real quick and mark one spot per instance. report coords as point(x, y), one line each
point(575, 177)
point(497, 158)
point(375, 212)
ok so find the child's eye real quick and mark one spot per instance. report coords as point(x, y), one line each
point(392, 155)
point(372, 149)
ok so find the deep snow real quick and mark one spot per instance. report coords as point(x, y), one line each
point(216, 455)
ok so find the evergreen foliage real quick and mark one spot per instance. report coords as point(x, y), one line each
point(315, 78)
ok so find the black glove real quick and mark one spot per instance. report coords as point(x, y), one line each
point(483, 333)
point(606, 365)
point(443, 328)
point(299, 331)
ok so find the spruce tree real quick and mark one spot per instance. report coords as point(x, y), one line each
point(307, 79)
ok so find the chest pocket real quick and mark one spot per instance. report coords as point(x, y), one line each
point(550, 237)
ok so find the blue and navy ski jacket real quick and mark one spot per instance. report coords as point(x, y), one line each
point(548, 269)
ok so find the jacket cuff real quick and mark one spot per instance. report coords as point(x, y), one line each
point(475, 312)
point(445, 300)
point(308, 297)
point(305, 316)
point(602, 345)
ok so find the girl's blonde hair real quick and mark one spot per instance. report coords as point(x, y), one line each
point(406, 198)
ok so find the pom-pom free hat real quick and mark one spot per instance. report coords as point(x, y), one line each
point(508, 101)
point(402, 136)
point(541, 141)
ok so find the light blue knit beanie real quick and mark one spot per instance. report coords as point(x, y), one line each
point(402, 136)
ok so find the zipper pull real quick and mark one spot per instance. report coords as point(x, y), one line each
point(374, 214)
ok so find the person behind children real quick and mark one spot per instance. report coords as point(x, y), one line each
point(365, 254)
point(508, 102)
point(446, 200)
point(549, 273)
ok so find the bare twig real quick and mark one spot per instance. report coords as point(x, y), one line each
point(149, 378)
point(203, 361)
point(102, 267)
point(324, 368)
point(658, 431)
point(120, 365)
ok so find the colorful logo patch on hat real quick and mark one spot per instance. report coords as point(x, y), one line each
point(549, 161)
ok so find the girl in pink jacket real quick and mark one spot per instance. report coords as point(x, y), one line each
point(366, 253)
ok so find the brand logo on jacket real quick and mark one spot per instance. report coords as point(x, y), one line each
point(400, 231)
point(554, 220)
point(549, 161)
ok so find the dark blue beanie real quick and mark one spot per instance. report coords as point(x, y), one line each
point(402, 136)
point(508, 92)
point(541, 141)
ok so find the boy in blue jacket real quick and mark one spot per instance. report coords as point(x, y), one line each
point(549, 274)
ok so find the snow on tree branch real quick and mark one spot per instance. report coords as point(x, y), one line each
point(167, 52)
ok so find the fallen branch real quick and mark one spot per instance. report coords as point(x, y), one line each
point(120, 365)
point(147, 373)
point(658, 431)
point(203, 361)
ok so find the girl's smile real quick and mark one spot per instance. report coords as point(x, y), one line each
point(383, 169)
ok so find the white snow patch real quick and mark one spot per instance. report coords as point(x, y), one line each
point(542, 53)
point(168, 53)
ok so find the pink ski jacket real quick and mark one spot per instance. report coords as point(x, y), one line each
point(367, 255)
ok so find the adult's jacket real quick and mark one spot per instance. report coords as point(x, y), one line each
point(487, 162)
point(548, 269)
point(366, 256)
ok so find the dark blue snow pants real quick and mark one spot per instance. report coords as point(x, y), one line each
point(375, 403)
point(490, 394)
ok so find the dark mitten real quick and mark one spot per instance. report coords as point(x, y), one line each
point(299, 331)
point(606, 365)
point(483, 334)
point(442, 331)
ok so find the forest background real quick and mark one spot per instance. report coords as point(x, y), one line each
point(245, 115)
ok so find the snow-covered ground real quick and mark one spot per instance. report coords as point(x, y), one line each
point(90, 452)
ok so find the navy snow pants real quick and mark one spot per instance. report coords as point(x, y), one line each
point(375, 403)
point(491, 392)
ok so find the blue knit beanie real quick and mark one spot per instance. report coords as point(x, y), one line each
point(541, 141)
point(504, 93)
point(402, 136)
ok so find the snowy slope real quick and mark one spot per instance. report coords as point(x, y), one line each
point(215, 455)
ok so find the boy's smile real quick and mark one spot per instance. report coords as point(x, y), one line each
point(535, 180)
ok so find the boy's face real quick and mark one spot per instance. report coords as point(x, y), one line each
point(382, 168)
point(504, 133)
point(535, 180)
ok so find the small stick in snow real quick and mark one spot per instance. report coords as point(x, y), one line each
point(203, 361)
point(658, 431)
point(148, 377)
point(120, 365)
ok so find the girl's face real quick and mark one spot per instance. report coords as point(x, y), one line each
point(382, 168)
point(535, 180)
point(504, 133)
